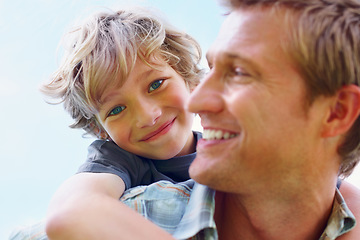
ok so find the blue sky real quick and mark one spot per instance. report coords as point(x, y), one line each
point(38, 151)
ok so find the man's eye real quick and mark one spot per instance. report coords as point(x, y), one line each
point(155, 85)
point(239, 72)
point(116, 111)
point(238, 75)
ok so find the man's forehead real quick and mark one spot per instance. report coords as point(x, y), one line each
point(248, 28)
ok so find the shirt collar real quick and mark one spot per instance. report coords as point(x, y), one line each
point(341, 219)
point(202, 206)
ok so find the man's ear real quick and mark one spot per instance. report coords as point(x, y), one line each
point(344, 111)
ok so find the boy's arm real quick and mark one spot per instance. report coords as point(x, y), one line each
point(87, 206)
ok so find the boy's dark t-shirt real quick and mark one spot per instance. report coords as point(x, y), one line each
point(106, 157)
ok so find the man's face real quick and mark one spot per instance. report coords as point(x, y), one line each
point(257, 126)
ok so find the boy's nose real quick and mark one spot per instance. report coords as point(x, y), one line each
point(147, 114)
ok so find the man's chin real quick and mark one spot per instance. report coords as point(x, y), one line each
point(201, 171)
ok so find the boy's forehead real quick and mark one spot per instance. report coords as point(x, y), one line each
point(141, 70)
point(144, 67)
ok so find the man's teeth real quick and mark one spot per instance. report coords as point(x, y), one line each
point(217, 134)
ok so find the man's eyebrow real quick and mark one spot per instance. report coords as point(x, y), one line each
point(232, 56)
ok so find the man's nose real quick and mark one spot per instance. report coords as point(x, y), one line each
point(207, 96)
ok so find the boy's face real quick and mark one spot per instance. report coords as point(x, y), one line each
point(146, 115)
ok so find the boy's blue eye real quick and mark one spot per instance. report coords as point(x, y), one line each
point(116, 110)
point(155, 85)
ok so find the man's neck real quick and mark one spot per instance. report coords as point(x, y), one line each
point(274, 215)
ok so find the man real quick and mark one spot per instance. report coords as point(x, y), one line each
point(280, 110)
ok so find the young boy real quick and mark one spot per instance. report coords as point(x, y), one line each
point(125, 78)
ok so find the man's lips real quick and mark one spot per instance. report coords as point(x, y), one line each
point(160, 131)
point(218, 134)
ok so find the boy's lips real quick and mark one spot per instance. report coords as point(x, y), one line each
point(160, 131)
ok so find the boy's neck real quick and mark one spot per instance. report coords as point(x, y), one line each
point(190, 145)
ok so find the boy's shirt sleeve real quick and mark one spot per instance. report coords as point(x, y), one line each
point(106, 157)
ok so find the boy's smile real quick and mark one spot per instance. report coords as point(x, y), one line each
point(163, 129)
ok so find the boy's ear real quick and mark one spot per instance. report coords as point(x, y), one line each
point(100, 133)
point(344, 111)
point(104, 135)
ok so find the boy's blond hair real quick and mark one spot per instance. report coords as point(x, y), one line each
point(102, 52)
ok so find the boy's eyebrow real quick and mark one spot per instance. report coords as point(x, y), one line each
point(114, 93)
point(107, 98)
